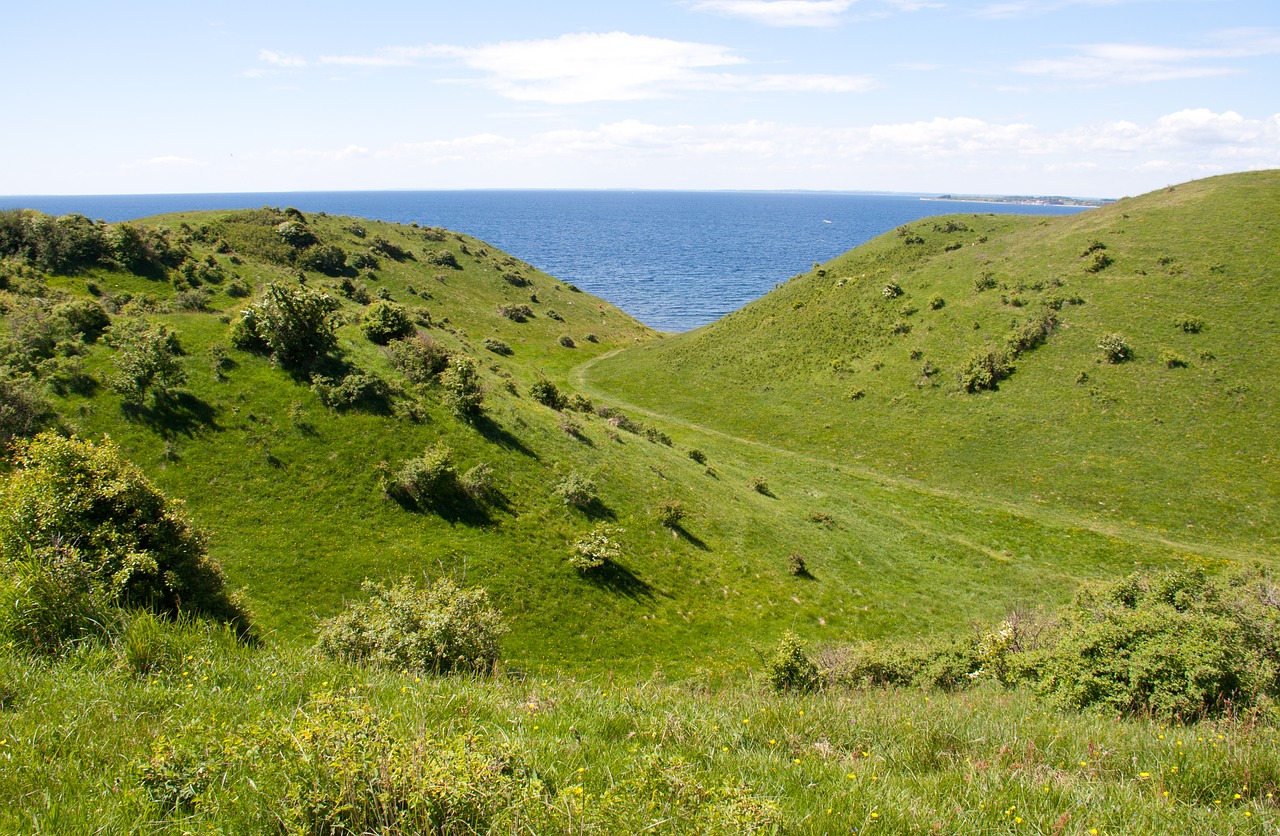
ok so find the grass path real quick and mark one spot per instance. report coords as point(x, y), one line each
point(579, 377)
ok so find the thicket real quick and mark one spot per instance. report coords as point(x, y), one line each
point(81, 531)
point(439, 628)
point(386, 321)
point(294, 324)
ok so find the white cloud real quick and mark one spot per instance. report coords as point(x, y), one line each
point(281, 59)
point(1027, 8)
point(612, 66)
point(392, 56)
point(1119, 63)
point(170, 161)
point(781, 12)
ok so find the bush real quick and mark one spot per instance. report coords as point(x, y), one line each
point(72, 503)
point(419, 358)
point(578, 491)
point(515, 313)
point(936, 303)
point(497, 346)
point(146, 359)
point(595, 549)
point(462, 392)
point(670, 513)
point(23, 412)
point(1173, 360)
point(796, 565)
point(697, 455)
point(790, 668)
point(440, 628)
point(759, 485)
point(329, 259)
point(478, 482)
point(386, 321)
point(1115, 348)
point(1176, 645)
point(580, 403)
point(1098, 263)
point(548, 394)
point(567, 341)
point(355, 390)
point(444, 258)
point(1032, 332)
point(1189, 324)
point(293, 323)
point(427, 479)
point(891, 291)
point(984, 368)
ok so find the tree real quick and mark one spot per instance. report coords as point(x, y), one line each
point(293, 323)
point(147, 359)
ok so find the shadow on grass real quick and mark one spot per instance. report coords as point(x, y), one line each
point(455, 507)
point(493, 432)
point(597, 510)
point(617, 578)
point(174, 414)
point(693, 539)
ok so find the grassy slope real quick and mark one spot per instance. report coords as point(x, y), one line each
point(1140, 451)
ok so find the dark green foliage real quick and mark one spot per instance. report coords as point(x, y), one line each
point(294, 323)
point(419, 358)
point(1173, 360)
point(355, 291)
point(797, 566)
point(1032, 331)
point(1189, 324)
point(936, 302)
point(23, 411)
point(462, 391)
point(697, 455)
point(497, 346)
point(567, 341)
point(426, 480)
point(392, 251)
point(444, 258)
point(78, 514)
point(1176, 644)
point(891, 291)
point(670, 513)
point(439, 628)
point(329, 259)
point(515, 313)
point(548, 394)
point(984, 368)
point(295, 234)
point(1115, 348)
point(386, 321)
point(1098, 263)
point(147, 359)
point(355, 390)
point(790, 668)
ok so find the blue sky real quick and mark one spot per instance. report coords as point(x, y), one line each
point(1082, 97)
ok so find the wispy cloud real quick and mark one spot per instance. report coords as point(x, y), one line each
point(780, 12)
point(1116, 63)
point(1029, 8)
point(612, 66)
point(281, 59)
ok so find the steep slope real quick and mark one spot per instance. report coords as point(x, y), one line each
point(872, 360)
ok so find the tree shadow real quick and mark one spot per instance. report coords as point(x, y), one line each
point(693, 539)
point(173, 414)
point(597, 510)
point(454, 507)
point(614, 577)
point(494, 432)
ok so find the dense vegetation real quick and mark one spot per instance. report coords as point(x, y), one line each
point(324, 525)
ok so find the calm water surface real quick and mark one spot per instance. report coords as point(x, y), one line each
point(674, 260)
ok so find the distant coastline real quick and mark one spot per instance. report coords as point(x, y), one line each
point(1024, 200)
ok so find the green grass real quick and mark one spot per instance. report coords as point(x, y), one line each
point(86, 745)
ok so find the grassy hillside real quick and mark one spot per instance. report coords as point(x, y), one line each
point(863, 361)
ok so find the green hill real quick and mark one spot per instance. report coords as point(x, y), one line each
point(876, 360)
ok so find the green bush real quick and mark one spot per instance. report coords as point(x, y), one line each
point(548, 394)
point(1176, 644)
point(1115, 348)
point(329, 259)
point(444, 258)
point(427, 479)
point(595, 549)
point(577, 490)
point(891, 291)
point(1189, 324)
point(419, 358)
point(797, 566)
point(23, 411)
point(1032, 331)
point(462, 392)
point(1173, 360)
point(697, 455)
point(355, 390)
point(515, 313)
point(567, 341)
point(438, 628)
point(936, 302)
point(497, 346)
point(74, 501)
point(294, 323)
point(984, 368)
point(670, 513)
point(386, 321)
point(50, 600)
point(146, 359)
point(790, 668)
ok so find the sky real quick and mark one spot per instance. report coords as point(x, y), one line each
point(1089, 98)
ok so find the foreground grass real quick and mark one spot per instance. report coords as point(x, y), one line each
point(220, 738)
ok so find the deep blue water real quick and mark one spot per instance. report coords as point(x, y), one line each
point(674, 260)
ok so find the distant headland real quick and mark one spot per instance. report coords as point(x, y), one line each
point(1026, 199)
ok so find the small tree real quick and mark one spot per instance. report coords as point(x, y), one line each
point(791, 669)
point(595, 549)
point(386, 321)
point(462, 392)
point(293, 323)
point(147, 359)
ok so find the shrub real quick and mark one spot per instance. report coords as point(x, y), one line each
point(1189, 324)
point(382, 246)
point(577, 490)
point(1098, 263)
point(891, 291)
point(440, 628)
point(419, 358)
point(936, 302)
point(984, 368)
point(580, 403)
point(759, 485)
point(293, 323)
point(444, 258)
point(427, 479)
point(796, 565)
point(1115, 348)
point(657, 436)
point(1172, 360)
point(670, 513)
point(1032, 331)
point(1176, 645)
point(386, 321)
point(23, 411)
point(497, 346)
point(462, 392)
point(515, 313)
point(354, 390)
point(478, 482)
point(567, 341)
point(595, 549)
point(77, 507)
point(790, 668)
point(146, 359)
point(697, 455)
point(548, 394)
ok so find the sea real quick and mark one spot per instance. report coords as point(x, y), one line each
point(675, 260)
